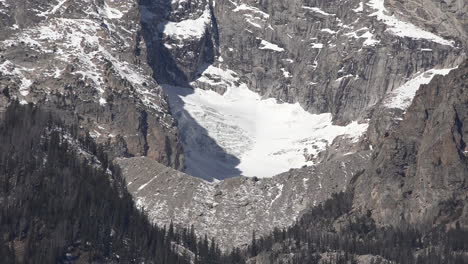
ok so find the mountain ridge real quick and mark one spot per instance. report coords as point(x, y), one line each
point(155, 82)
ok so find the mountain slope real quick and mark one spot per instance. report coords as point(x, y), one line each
point(330, 234)
point(63, 202)
point(338, 57)
point(358, 62)
point(388, 181)
point(219, 89)
point(231, 209)
point(419, 172)
point(88, 57)
point(333, 58)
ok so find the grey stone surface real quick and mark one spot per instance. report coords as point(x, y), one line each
point(419, 171)
point(72, 55)
point(328, 62)
point(315, 74)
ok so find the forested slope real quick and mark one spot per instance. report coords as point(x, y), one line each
point(63, 202)
point(329, 233)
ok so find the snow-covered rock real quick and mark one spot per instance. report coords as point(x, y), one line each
point(402, 97)
point(87, 58)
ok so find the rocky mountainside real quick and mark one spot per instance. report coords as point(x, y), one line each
point(230, 210)
point(319, 93)
point(89, 58)
point(360, 61)
point(333, 56)
point(339, 57)
point(418, 174)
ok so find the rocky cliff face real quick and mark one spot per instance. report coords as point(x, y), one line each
point(88, 58)
point(418, 173)
point(339, 57)
point(358, 60)
point(445, 17)
point(334, 56)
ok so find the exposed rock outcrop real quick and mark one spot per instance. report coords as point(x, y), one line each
point(341, 57)
point(419, 172)
point(88, 57)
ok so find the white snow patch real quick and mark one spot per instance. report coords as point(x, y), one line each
point(328, 31)
point(9, 69)
point(403, 96)
point(280, 192)
point(286, 74)
point(54, 9)
point(317, 10)
point(252, 15)
point(360, 8)
point(304, 182)
point(217, 76)
point(252, 22)
point(401, 28)
point(317, 45)
point(102, 101)
point(188, 29)
point(244, 7)
point(265, 45)
point(344, 77)
point(111, 13)
point(148, 182)
point(370, 40)
point(24, 88)
point(267, 137)
point(57, 73)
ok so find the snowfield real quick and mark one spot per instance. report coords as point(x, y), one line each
point(402, 28)
point(265, 45)
point(259, 137)
point(402, 97)
point(187, 29)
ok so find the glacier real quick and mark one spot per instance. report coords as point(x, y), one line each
point(241, 133)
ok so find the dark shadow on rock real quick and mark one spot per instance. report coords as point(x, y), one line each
point(204, 158)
